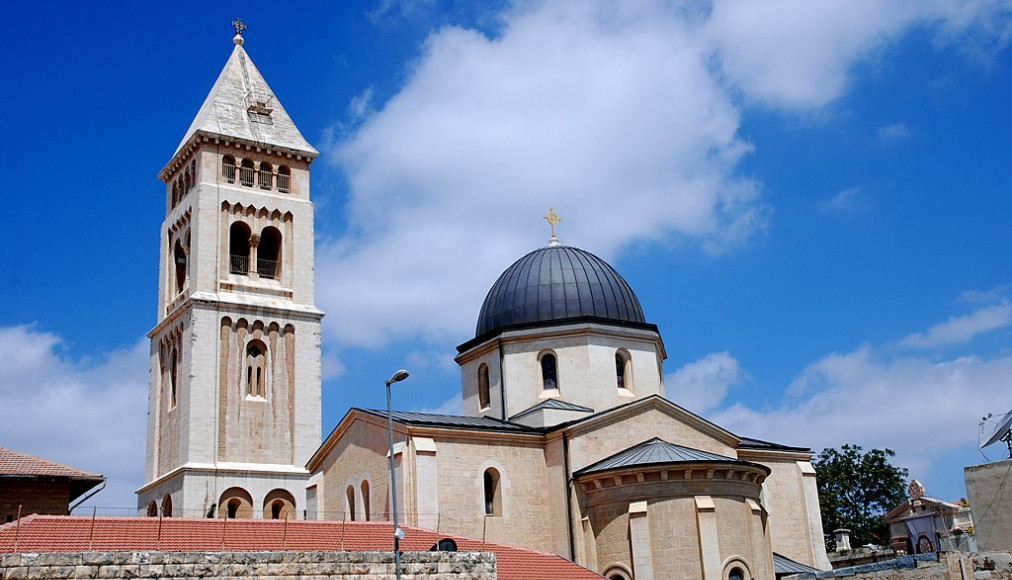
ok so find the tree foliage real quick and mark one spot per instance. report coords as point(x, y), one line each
point(856, 489)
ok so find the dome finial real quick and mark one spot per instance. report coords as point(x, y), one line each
point(552, 218)
point(239, 27)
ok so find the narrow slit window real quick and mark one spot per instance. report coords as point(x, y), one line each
point(228, 168)
point(549, 372)
point(483, 393)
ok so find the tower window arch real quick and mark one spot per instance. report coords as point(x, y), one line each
point(269, 253)
point(246, 171)
point(279, 505)
point(228, 168)
point(266, 175)
point(623, 370)
point(256, 369)
point(173, 377)
point(284, 179)
point(152, 509)
point(483, 393)
point(549, 371)
point(167, 506)
point(179, 261)
point(235, 502)
point(492, 492)
point(350, 499)
point(238, 248)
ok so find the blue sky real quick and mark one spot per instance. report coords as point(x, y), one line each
point(811, 201)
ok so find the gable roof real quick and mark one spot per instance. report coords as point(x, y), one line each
point(17, 464)
point(553, 404)
point(452, 421)
point(229, 109)
point(656, 451)
point(37, 534)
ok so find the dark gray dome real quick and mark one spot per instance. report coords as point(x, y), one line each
point(558, 283)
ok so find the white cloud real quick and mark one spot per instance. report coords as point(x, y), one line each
point(702, 385)
point(959, 329)
point(893, 132)
point(86, 413)
point(623, 116)
point(920, 408)
point(847, 201)
point(452, 406)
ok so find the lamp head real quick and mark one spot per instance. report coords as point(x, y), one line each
point(398, 377)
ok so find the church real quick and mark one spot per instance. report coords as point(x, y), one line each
point(567, 443)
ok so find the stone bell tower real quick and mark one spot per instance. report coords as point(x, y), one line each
point(234, 393)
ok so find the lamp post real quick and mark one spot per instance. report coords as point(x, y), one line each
point(398, 534)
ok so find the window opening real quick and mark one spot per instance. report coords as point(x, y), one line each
point(238, 248)
point(256, 356)
point(736, 574)
point(365, 500)
point(246, 172)
point(284, 179)
point(152, 509)
point(483, 393)
point(233, 508)
point(493, 501)
point(173, 375)
point(179, 257)
point(265, 176)
point(350, 493)
point(276, 508)
point(228, 168)
point(167, 506)
point(269, 253)
point(549, 375)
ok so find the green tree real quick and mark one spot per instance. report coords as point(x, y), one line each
point(856, 489)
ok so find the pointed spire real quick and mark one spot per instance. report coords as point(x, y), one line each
point(242, 106)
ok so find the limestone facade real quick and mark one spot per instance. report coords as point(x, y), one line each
point(234, 394)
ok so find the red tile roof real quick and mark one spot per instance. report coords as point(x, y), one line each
point(17, 463)
point(114, 534)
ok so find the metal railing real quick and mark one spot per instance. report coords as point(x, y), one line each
point(267, 268)
point(238, 264)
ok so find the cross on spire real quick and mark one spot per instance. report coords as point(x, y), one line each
point(552, 218)
point(238, 26)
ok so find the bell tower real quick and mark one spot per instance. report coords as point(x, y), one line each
point(234, 390)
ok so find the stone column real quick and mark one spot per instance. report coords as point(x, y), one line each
point(709, 543)
point(639, 538)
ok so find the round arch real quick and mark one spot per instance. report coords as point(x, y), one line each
point(279, 505)
point(235, 503)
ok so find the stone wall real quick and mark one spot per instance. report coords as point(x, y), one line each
point(944, 566)
point(991, 502)
point(268, 565)
point(33, 495)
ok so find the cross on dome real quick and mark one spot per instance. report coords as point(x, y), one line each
point(552, 218)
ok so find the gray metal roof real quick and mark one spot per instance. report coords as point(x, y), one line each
point(784, 565)
point(750, 443)
point(558, 283)
point(226, 110)
point(452, 421)
point(553, 404)
point(653, 452)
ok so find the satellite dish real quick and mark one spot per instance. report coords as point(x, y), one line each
point(1000, 432)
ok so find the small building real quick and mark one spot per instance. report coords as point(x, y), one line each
point(924, 524)
point(990, 498)
point(33, 485)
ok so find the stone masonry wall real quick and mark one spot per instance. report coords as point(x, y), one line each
point(267, 565)
point(949, 566)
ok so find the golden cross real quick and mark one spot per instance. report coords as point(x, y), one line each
point(552, 219)
point(238, 26)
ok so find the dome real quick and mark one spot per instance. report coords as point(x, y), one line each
point(558, 283)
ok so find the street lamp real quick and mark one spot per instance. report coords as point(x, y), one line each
point(398, 534)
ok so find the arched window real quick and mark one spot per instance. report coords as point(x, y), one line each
point(193, 173)
point(228, 168)
point(350, 499)
point(737, 569)
point(265, 176)
point(167, 506)
point(152, 509)
point(238, 248)
point(256, 369)
point(175, 193)
point(549, 372)
point(279, 505)
point(736, 573)
point(269, 253)
point(235, 502)
point(365, 500)
point(173, 376)
point(187, 181)
point(246, 171)
point(284, 179)
point(483, 395)
point(623, 370)
point(179, 257)
point(493, 495)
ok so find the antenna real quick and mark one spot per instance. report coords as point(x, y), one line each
point(1002, 431)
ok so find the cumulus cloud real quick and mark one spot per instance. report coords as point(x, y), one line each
point(90, 414)
point(922, 409)
point(847, 201)
point(623, 116)
point(959, 329)
point(702, 385)
point(893, 132)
